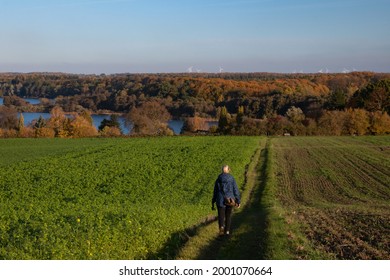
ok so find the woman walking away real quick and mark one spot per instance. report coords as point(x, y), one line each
point(226, 197)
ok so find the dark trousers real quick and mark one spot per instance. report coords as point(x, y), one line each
point(225, 217)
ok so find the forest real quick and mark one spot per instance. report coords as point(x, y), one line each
point(356, 103)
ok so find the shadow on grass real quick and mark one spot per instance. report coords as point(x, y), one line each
point(249, 236)
point(178, 239)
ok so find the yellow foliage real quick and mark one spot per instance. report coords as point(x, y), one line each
point(44, 132)
point(110, 131)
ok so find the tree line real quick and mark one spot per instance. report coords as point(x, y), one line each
point(243, 103)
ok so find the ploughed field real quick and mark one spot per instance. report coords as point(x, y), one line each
point(109, 198)
point(338, 190)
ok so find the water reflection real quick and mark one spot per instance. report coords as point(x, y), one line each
point(32, 101)
point(175, 125)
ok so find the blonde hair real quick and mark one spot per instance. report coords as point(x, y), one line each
point(225, 169)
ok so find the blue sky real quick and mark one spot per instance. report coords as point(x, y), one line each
point(116, 36)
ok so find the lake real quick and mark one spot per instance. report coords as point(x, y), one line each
point(175, 125)
point(32, 101)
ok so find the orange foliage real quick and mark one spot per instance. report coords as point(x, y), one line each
point(380, 123)
point(45, 132)
point(80, 127)
point(110, 131)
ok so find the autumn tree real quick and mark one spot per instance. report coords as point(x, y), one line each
point(8, 133)
point(59, 122)
point(194, 124)
point(277, 125)
point(24, 132)
point(14, 100)
point(41, 130)
point(251, 126)
point(356, 122)
point(379, 100)
point(44, 132)
point(240, 116)
point(224, 121)
point(8, 118)
point(311, 127)
point(151, 118)
point(379, 123)
point(331, 123)
point(113, 121)
point(374, 97)
point(82, 126)
point(337, 100)
point(295, 114)
point(110, 131)
point(21, 122)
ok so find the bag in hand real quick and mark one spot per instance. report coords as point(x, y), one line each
point(229, 201)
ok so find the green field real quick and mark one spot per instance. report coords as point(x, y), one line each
point(309, 198)
point(109, 198)
point(149, 198)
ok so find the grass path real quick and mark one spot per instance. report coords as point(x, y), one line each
point(269, 226)
point(248, 238)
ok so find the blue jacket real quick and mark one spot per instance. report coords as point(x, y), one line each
point(225, 185)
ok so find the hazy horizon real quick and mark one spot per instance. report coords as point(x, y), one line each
point(211, 36)
point(187, 73)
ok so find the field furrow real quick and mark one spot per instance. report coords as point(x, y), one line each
point(339, 188)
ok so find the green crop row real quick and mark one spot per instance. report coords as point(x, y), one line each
point(108, 198)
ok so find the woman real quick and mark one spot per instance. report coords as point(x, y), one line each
point(225, 188)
